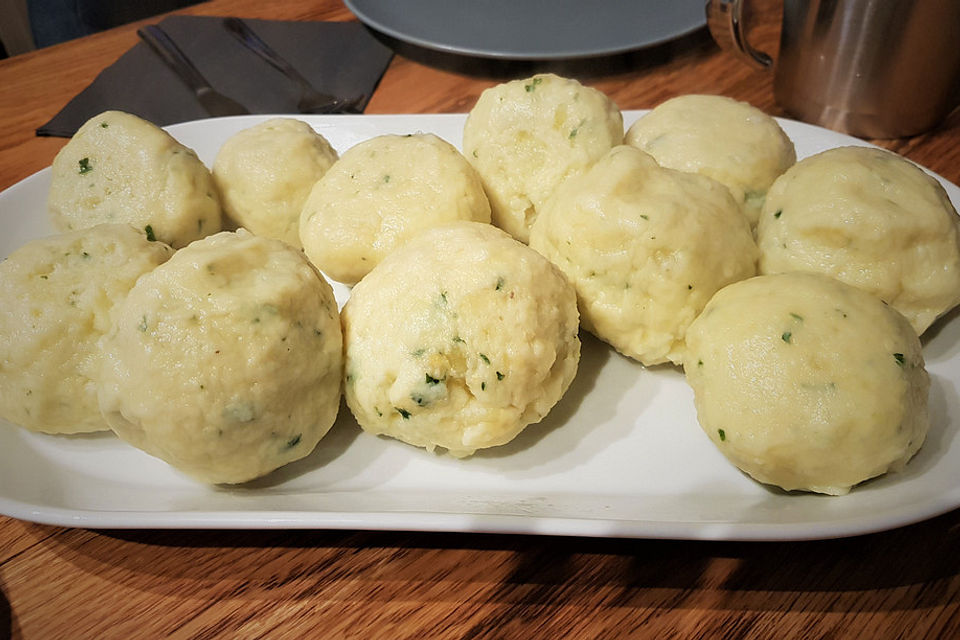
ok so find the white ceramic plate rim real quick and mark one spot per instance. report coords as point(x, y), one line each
point(620, 456)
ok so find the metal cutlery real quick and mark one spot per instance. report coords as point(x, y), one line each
point(311, 100)
point(214, 102)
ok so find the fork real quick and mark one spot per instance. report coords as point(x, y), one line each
point(311, 100)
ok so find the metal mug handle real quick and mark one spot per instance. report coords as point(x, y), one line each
point(725, 22)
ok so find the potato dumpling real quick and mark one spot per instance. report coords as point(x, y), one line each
point(226, 361)
point(646, 248)
point(381, 193)
point(459, 340)
point(121, 168)
point(730, 141)
point(526, 136)
point(807, 383)
point(872, 219)
point(265, 173)
point(57, 296)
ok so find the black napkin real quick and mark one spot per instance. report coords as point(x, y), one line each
point(341, 58)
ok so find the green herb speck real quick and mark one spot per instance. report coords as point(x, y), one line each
point(485, 359)
point(403, 413)
point(294, 441)
point(143, 323)
point(533, 85)
point(149, 231)
point(786, 337)
point(722, 434)
point(500, 283)
point(85, 166)
point(899, 358)
point(104, 125)
point(499, 376)
point(431, 380)
point(778, 213)
point(797, 317)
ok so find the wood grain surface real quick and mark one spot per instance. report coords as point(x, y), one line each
point(72, 583)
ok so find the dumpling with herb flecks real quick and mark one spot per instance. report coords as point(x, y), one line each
point(226, 361)
point(807, 383)
point(459, 340)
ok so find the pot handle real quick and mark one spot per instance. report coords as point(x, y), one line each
point(725, 22)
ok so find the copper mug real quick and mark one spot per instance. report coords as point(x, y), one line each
point(871, 68)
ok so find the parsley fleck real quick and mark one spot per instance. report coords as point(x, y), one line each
point(294, 441)
point(85, 166)
point(778, 213)
point(499, 376)
point(431, 380)
point(403, 413)
point(485, 359)
point(149, 231)
point(722, 434)
point(899, 358)
point(787, 335)
point(530, 88)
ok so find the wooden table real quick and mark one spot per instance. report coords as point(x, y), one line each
point(69, 583)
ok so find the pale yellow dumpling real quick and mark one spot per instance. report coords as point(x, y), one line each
point(730, 141)
point(807, 383)
point(872, 219)
point(381, 193)
point(459, 340)
point(527, 136)
point(265, 174)
point(121, 168)
point(57, 294)
point(226, 362)
point(646, 248)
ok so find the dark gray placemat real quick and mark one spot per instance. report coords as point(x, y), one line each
point(341, 58)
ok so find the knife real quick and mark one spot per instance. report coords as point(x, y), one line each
point(215, 103)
